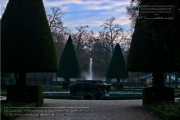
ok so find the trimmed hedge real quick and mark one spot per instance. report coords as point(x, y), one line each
point(117, 65)
point(27, 44)
point(86, 97)
point(69, 64)
point(120, 97)
point(25, 94)
point(152, 95)
point(65, 97)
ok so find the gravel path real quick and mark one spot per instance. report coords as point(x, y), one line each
point(91, 110)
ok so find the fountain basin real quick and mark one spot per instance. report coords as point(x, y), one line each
point(90, 89)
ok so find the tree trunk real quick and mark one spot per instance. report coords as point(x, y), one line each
point(158, 79)
point(67, 80)
point(176, 81)
point(159, 92)
point(118, 80)
point(20, 78)
point(132, 77)
point(165, 79)
point(56, 80)
point(138, 80)
point(169, 80)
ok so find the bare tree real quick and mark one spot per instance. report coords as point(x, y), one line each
point(59, 32)
point(54, 16)
point(125, 44)
point(83, 40)
point(101, 52)
point(80, 38)
point(112, 32)
point(132, 11)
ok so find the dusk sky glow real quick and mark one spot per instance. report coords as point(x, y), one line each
point(89, 12)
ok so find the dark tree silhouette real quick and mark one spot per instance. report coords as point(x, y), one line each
point(27, 44)
point(117, 66)
point(69, 65)
point(154, 47)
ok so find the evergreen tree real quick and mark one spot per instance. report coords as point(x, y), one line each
point(117, 66)
point(155, 47)
point(26, 44)
point(68, 64)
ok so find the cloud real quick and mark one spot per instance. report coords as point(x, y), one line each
point(88, 4)
point(76, 23)
point(95, 23)
point(120, 9)
point(123, 20)
point(89, 12)
point(53, 3)
point(121, 3)
point(3, 3)
point(100, 5)
point(65, 8)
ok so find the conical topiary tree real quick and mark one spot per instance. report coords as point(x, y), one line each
point(117, 66)
point(146, 56)
point(26, 43)
point(155, 48)
point(68, 64)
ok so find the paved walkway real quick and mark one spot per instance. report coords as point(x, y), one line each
point(91, 110)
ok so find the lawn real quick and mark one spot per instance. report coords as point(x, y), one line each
point(167, 110)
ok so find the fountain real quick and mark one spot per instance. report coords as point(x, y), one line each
point(90, 70)
point(90, 74)
point(89, 88)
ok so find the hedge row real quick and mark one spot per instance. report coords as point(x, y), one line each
point(64, 97)
point(120, 97)
point(102, 98)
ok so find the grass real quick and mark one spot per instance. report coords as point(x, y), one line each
point(167, 110)
point(177, 91)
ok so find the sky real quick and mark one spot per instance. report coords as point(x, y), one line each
point(89, 12)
